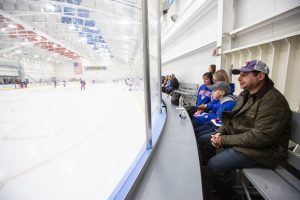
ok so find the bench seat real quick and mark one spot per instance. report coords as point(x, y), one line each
point(283, 182)
point(188, 91)
point(271, 185)
point(184, 93)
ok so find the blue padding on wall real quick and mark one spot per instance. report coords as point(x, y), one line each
point(97, 38)
point(83, 13)
point(77, 2)
point(69, 11)
point(90, 42)
point(66, 20)
point(77, 21)
point(90, 23)
point(88, 35)
point(90, 30)
point(57, 8)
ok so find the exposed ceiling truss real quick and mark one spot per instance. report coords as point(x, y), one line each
point(71, 29)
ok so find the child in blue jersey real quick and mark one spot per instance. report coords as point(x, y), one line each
point(203, 94)
point(223, 102)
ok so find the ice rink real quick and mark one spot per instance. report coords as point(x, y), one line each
point(66, 144)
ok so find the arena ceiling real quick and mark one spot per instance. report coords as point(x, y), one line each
point(71, 29)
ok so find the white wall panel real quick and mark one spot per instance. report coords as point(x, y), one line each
point(38, 70)
point(281, 5)
point(187, 52)
point(247, 11)
point(8, 71)
point(269, 32)
point(191, 68)
point(252, 29)
point(287, 25)
point(280, 71)
point(293, 81)
point(196, 35)
point(65, 71)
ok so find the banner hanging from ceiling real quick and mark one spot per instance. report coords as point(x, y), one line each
point(95, 68)
point(77, 67)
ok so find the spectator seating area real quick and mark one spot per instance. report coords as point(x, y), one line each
point(189, 92)
point(283, 182)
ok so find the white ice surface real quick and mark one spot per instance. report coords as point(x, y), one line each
point(66, 144)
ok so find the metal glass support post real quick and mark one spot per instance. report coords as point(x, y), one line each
point(146, 65)
point(159, 54)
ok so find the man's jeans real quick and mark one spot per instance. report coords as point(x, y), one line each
point(220, 165)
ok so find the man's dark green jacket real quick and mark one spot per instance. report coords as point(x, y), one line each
point(259, 126)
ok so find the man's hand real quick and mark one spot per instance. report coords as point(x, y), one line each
point(216, 140)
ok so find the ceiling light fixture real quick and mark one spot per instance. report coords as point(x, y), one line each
point(94, 28)
point(12, 26)
point(50, 7)
point(72, 27)
point(125, 22)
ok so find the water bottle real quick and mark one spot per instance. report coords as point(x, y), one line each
point(180, 102)
point(183, 116)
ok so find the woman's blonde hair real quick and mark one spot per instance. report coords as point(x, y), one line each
point(221, 75)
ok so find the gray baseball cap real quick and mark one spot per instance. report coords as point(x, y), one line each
point(253, 65)
point(221, 86)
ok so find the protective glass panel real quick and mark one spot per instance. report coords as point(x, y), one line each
point(72, 120)
point(153, 18)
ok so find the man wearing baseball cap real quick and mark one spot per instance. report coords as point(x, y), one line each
point(254, 134)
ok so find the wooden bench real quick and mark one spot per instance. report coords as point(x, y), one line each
point(283, 182)
point(188, 91)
